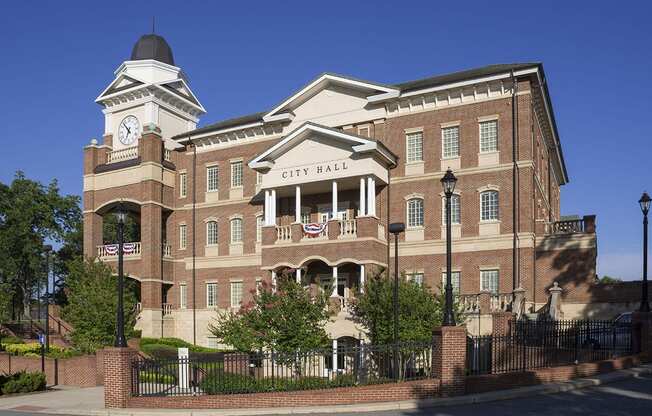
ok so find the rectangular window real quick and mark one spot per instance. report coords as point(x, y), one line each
point(236, 174)
point(415, 213)
point(450, 139)
point(415, 147)
point(305, 218)
point(236, 294)
point(236, 230)
point(211, 295)
point(488, 136)
point(259, 228)
point(455, 281)
point(183, 185)
point(211, 179)
point(416, 278)
point(489, 206)
point(183, 236)
point(259, 178)
point(489, 280)
point(456, 213)
point(211, 233)
point(183, 296)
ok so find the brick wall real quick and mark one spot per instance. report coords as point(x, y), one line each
point(337, 396)
point(82, 371)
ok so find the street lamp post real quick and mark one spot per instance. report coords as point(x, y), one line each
point(396, 229)
point(448, 182)
point(644, 202)
point(120, 318)
point(48, 250)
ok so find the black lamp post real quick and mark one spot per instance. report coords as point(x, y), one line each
point(644, 202)
point(120, 340)
point(396, 229)
point(448, 182)
point(48, 250)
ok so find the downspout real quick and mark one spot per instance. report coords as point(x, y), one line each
point(533, 116)
point(194, 241)
point(515, 190)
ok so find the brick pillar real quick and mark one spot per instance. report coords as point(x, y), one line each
point(333, 229)
point(297, 232)
point(150, 145)
point(93, 223)
point(502, 323)
point(117, 376)
point(484, 302)
point(642, 333)
point(449, 359)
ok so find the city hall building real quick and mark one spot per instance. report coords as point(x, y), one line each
point(310, 186)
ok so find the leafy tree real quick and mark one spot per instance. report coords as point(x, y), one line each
point(110, 229)
point(608, 279)
point(420, 310)
point(92, 302)
point(31, 215)
point(288, 321)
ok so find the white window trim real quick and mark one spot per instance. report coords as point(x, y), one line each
point(486, 152)
point(183, 300)
point(231, 282)
point(443, 208)
point(489, 269)
point(217, 226)
point(409, 132)
point(183, 240)
point(232, 219)
point(217, 166)
point(489, 221)
point(407, 213)
point(208, 295)
point(183, 190)
point(241, 162)
point(459, 143)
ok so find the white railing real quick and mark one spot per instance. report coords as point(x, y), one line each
point(283, 233)
point(122, 154)
point(167, 155)
point(138, 307)
point(167, 309)
point(167, 250)
point(111, 250)
point(500, 302)
point(348, 228)
point(469, 303)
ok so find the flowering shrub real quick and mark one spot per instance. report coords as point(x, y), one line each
point(34, 350)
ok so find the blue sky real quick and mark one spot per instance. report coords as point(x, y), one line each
point(244, 57)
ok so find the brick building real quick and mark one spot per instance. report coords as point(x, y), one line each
point(312, 184)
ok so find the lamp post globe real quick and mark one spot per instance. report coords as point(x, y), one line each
point(644, 203)
point(120, 340)
point(448, 182)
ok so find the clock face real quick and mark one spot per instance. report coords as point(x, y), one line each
point(129, 130)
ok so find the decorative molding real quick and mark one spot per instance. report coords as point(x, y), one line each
point(414, 195)
point(488, 187)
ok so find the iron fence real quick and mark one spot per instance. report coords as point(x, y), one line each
point(235, 373)
point(533, 344)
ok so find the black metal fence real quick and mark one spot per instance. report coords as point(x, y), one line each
point(538, 344)
point(269, 371)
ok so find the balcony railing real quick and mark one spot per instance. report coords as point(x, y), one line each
point(283, 233)
point(572, 226)
point(361, 227)
point(167, 155)
point(111, 250)
point(485, 302)
point(167, 250)
point(348, 228)
point(122, 154)
point(167, 309)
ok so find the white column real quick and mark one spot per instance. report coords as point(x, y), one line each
point(273, 210)
point(297, 204)
point(362, 276)
point(268, 208)
point(334, 294)
point(334, 199)
point(299, 275)
point(362, 211)
point(273, 281)
point(371, 196)
point(334, 355)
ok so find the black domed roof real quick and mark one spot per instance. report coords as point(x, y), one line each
point(152, 47)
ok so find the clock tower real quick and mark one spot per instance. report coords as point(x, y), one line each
point(148, 89)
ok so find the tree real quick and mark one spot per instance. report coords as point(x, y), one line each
point(31, 215)
point(92, 303)
point(608, 279)
point(288, 321)
point(110, 229)
point(420, 310)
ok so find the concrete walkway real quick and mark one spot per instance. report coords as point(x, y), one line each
point(90, 401)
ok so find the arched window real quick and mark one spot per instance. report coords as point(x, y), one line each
point(211, 233)
point(489, 206)
point(236, 230)
point(415, 212)
point(456, 213)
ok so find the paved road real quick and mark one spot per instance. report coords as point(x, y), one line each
point(629, 397)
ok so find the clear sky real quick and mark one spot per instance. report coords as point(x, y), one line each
point(243, 57)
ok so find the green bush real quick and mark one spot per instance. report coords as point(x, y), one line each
point(34, 350)
point(156, 377)
point(23, 382)
point(11, 340)
point(219, 382)
point(175, 343)
point(160, 351)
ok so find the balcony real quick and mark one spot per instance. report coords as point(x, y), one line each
point(485, 302)
point(122, 155)
point(110, 251)
point(585, 225)
point(332, 230)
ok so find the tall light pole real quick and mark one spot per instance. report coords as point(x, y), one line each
point(644, 202)
point(48, 250)
point(396, 229)
point(448, 182)
point(120, 340)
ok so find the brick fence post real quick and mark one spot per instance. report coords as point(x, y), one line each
point(642, 333)
point(117, 376)
point(502, 323)
point(449, 359)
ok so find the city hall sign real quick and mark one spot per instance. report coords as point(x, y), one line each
point(314, 171)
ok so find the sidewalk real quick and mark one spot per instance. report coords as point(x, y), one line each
point(90, 401)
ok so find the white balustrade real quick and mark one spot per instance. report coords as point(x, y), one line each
point(500, 302)
point(111, 250)
point(167, 309)
point(167, 250)
point(167, 155)
point(469, 303)
point(283, 233)
point(122, 154)
point(348, 228)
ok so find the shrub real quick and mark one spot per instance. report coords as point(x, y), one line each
point(34, 350)
point(24, 382)
point(175, 343)
point(10, 339)
point(219, 382)
point(156, 377)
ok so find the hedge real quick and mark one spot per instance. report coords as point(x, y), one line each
point(22, 382)
point(34, 350)
point(220, 382)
